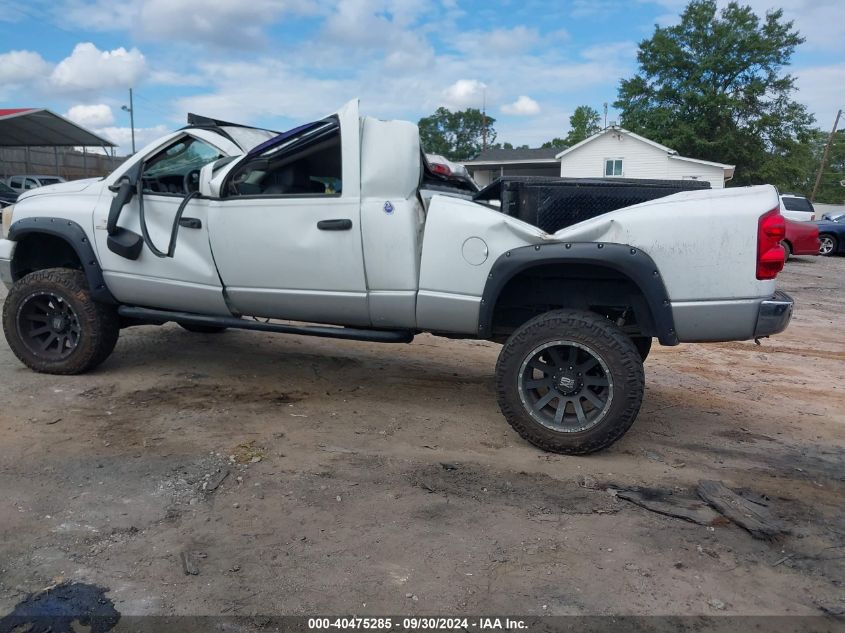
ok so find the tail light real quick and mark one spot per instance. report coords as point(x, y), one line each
point(441, 169)
point(771, 229)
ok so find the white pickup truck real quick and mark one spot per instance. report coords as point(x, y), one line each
point(221, 226)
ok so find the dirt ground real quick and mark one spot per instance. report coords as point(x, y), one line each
point(376, 479)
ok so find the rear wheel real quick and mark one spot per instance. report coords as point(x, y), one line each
point(570, 382)
point(203, 329)
point(54, 326)
point(787, 249)
point(827, 244)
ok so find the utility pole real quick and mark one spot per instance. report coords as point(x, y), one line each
point(484, 120)
point(131, 111)
point(824, 157)
point(605, 115)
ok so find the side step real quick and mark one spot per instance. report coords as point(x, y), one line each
point(159, 317)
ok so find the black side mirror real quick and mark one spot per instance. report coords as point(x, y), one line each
point(122, 241)
point(125, 192)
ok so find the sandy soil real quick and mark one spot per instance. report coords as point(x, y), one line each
point(382, 479)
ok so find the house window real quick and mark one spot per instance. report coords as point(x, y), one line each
point(613, 167)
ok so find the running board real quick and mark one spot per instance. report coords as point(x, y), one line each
point(159, 317)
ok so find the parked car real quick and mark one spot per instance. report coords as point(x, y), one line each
point(802, 238)
point(831, 235)
point(7, 194)
point(325, 224)
point(795, 207)
point(31, 181)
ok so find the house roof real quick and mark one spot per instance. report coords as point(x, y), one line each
point(39, 127)
point(499, 155)
point(729, 169)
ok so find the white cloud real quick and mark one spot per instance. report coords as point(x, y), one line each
point(93, 115)
point(464, 93)
point(228, 23)
point(17, 67)
point(99, 15)
point(240, 93)
point(498, 42)
point(88, 68)
point(523, 106)
point(820, 89)
point(122, 136)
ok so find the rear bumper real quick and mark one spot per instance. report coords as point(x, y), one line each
point(731, 320)
point(774, 315)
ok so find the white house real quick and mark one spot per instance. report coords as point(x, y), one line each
point(617, 153)
point(495, 162)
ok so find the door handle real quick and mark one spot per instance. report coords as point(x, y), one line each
point(334, 225)
point(190, 223)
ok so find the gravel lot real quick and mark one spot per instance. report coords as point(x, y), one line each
point(382, 479)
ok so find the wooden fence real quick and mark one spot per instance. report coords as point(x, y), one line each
point(68, 163)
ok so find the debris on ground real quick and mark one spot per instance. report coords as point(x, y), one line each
point(669, 504)
point(750, 515)
point(188, 565)
point(214, 481)
point(247, 453)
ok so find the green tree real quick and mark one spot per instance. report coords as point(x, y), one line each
point(583, 123)
point(456, 135)
point(714, 87)
point(557, 143)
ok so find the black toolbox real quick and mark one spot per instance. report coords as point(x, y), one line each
point(551, 203)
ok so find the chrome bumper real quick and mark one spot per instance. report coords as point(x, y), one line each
point(774, 315)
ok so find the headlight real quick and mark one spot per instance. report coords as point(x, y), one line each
point(7, 219)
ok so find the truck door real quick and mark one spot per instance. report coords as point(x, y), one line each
point(188, 280)
point(286, 231)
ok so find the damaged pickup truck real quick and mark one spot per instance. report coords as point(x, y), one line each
point(221, 226)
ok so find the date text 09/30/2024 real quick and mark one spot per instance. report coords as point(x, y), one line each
point(417, 624)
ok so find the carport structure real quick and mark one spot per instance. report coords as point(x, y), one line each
point(39, 127)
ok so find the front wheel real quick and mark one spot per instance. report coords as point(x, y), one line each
point(54, 326)
point(570, 382)
point(827, 244)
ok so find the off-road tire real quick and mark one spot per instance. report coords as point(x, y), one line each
point(203, 329)
point(595, 333)
point(643, 345)
point(99, 324)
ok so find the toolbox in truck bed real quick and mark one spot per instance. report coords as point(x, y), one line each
point(551, 203)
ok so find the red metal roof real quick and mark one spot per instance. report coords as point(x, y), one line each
point(11, 111)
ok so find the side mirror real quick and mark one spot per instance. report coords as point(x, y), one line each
point(121, 241)
point(125, 190)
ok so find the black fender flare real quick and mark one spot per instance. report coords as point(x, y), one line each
point(77, 239)
point(625, 259)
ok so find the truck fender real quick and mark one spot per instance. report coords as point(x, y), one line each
point(76, 237)
point(627, 260)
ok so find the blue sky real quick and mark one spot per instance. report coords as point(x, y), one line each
point(279, 62)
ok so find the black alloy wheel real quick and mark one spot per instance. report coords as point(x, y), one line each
point(565, 386)
point(48, 325)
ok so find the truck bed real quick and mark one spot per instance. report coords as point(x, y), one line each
point(552, 203)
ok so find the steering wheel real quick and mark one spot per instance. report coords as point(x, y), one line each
point(191, 181)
